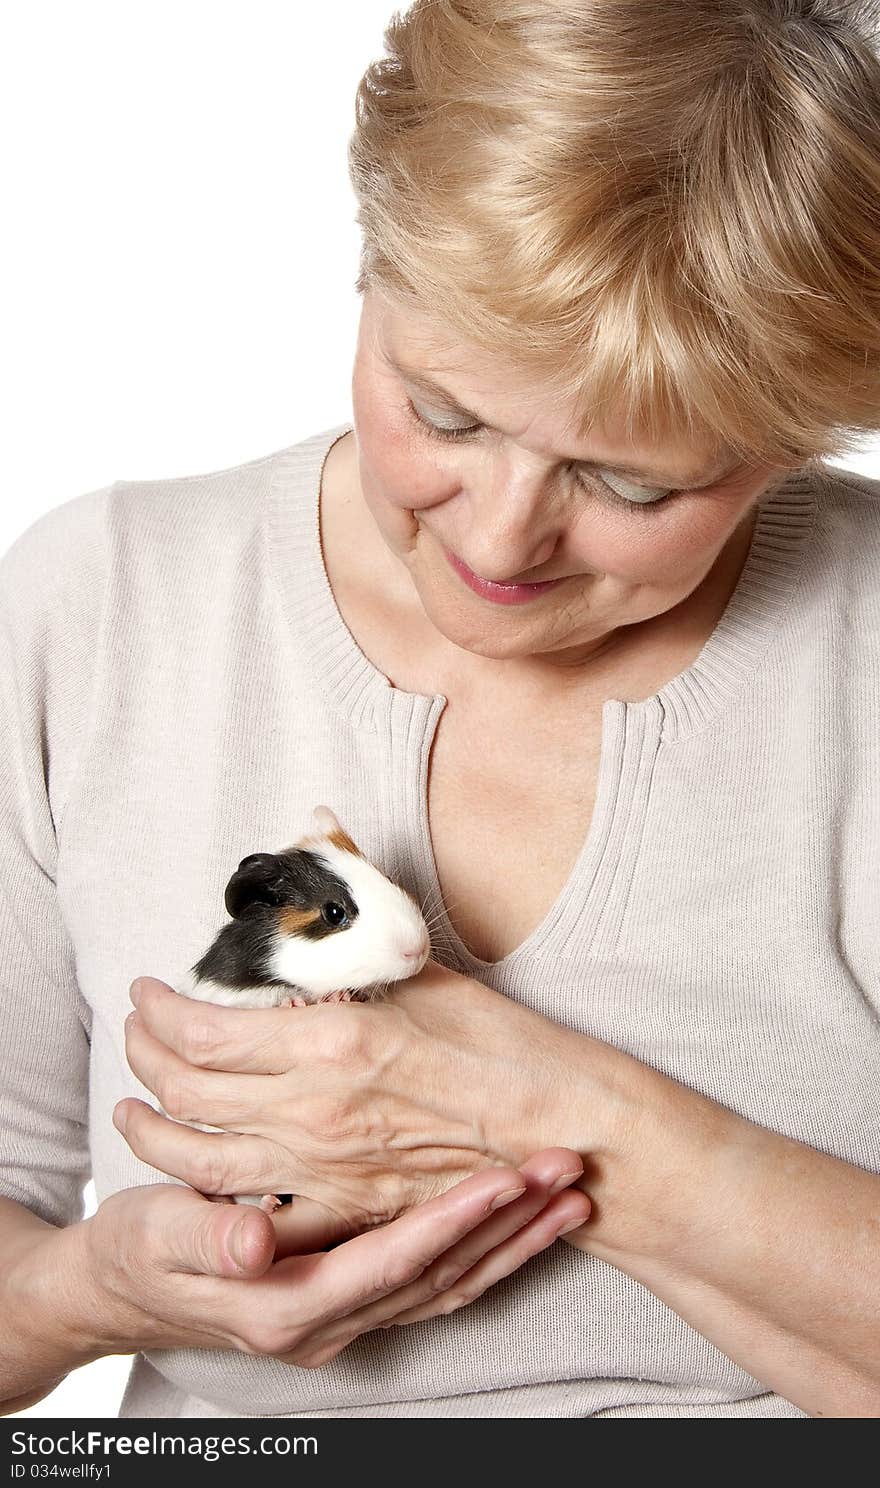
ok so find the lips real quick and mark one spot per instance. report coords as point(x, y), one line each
point(498, 593)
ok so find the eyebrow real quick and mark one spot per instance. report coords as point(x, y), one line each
point(433, 389)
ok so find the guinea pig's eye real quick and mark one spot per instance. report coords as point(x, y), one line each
point(333, 914)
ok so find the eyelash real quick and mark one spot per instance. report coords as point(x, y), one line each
point(457, 435)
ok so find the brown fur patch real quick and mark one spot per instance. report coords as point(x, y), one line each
point(338, 839)
point(342, 840)
point(294, 921)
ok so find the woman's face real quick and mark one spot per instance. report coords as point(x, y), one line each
point(520, 499)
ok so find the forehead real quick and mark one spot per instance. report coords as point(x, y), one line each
point(424, 342)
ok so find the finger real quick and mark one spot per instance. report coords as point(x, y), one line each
point(244, 1244)
point(556, 1167)
point(190, 1234)
point(189, 1094)
point(561, 1215)
point(386, 1259)
point(241, 1040)
point(210, 1162)
point(542, 1172)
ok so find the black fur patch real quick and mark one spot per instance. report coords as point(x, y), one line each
point(263, 884)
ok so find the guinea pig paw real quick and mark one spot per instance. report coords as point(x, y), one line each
point(269, 1203)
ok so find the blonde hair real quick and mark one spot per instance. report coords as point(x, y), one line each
point(669, 208)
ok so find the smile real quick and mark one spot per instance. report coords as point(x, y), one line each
point(498, 593)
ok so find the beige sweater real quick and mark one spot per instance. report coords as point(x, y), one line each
point(178, 690)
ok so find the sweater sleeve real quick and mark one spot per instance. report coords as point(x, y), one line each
point(50, 602)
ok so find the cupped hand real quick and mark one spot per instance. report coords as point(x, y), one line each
point(367, 1109)
point(160, 1266)
point(526, 1222)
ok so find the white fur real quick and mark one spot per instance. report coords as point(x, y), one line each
point(367, 953)
point(250, 997)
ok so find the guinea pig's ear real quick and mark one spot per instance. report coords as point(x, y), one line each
point(329, 825)
point(326, 820)
point(257, 880)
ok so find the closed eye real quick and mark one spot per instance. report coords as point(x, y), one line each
point(614, 498)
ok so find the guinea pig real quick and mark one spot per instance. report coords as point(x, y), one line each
point(314, 922)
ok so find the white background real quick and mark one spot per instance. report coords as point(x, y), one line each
point(178, 263)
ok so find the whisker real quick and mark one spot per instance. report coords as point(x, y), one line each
point(444, 938)
point(426, 908)
point(441, 931)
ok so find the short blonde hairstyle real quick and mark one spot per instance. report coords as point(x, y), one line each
point(669, 208)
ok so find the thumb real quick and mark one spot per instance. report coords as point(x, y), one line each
point(226, 1240)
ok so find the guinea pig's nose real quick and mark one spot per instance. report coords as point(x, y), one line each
point(423, 946)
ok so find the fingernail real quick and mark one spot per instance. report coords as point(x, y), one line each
point(119, 1119)
point(130, 1020)
point(565, 1179)
point(134, 990)
point(573, 1224)
point(236, 1243)
point(507, 1197)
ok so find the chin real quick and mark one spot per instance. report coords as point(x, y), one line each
point(498, 650)
point(501, 635)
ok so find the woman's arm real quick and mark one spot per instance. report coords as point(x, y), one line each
point(41, 1344)
point(767, 1247)
point(161, 1267)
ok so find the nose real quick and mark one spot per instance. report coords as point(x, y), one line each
point(416, 955)
point(514, 566)
point(514, 511)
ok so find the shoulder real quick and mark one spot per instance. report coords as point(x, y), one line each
point(849, 500)
point(848, 526)
point(229, 491)
point(168, 526)
point(851, 482)
point(73, 554)
point(59, 551)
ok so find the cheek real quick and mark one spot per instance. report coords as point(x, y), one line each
point(393, 475)
point(398, 474)
point(661, 551)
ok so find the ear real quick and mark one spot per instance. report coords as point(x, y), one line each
point(327, 823)
point(257, 880)
point(325, 820)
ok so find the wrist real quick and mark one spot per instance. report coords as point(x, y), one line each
point(59, 1305)
point(637, 1131)
point(572, 1091)
point(651, 1155)
point(45, 1331)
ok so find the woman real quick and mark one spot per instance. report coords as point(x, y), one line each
point(610, 334)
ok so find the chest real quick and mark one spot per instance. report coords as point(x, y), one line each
point(509, 810)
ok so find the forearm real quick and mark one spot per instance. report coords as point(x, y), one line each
point(767, 1247)
point(41, 1299)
